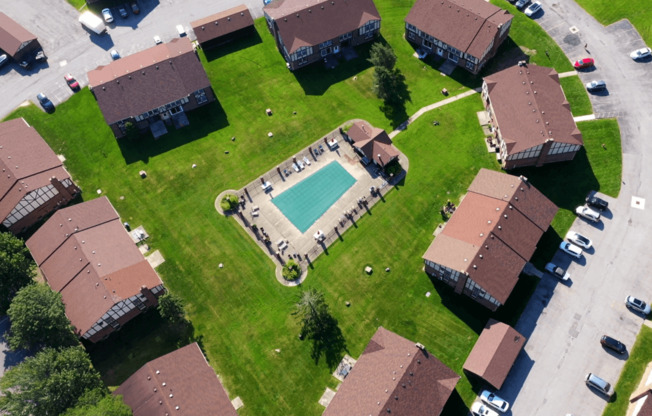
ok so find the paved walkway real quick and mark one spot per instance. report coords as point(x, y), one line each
point(584, 118)
point(568, 74)
point(427, 108)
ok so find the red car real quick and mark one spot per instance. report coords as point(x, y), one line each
point(71, 81)
point(584, 63)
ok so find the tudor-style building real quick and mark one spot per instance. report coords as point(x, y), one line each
point(466, 32)
point(85, 253)
point(151, 89)
point(34, 181)
point(307, 31)
point(490, 237)
point(531, 117)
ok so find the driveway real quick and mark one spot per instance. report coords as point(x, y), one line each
point(564, 323)
point(72, 49)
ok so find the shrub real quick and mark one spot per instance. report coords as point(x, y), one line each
point(229, 202)
point(393, 168)
point(291, 270)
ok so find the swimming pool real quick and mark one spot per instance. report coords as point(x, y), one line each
point(306, 201)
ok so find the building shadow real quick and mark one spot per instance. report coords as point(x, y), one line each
point(455, 406)
point(251, 39)
point(315, 79)
point(516, 378)
point(474, 315)
point(203, 120)
point(144, 338)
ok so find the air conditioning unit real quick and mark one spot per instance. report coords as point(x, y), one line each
point(420, 346)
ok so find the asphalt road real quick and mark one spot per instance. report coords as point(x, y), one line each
point(564, 323)
point(71, 49)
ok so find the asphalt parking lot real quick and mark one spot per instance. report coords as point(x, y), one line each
point(72, 49)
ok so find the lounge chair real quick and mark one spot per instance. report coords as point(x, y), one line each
point(301, 165)
point(295, 167)
point(305, 159)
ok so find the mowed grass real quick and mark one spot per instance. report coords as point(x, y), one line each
point(240, 315)
point(640, 355)
point(576, 96)
point(610, 11)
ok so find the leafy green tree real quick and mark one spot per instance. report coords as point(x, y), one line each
point(318, 325)
point(171, 307)
point(16, 268)
point(381, 55)
point(48, 383)
point(98, 403)
point(38, 319)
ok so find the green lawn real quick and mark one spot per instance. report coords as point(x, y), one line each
point(610, 11)
point(576, 96)
point(639, 357)
point(240, 315)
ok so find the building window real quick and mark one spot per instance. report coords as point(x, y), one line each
point(325, 44)
point(301, 53)
point(470, 65)
point(527, 154)
point(200, 96)
point(370, 27)
point(427, 44)
point(558, 148)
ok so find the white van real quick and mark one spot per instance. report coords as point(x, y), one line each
point(181, 30)
point(92, 23)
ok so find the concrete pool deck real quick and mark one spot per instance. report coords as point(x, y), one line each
point(303, 247)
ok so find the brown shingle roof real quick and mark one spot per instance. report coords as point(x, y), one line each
point(467, 25)
point(530, 107)
point(147, 80)
point(27, 163)
point(495, 352)
point(393, 373)
point(222, 23)
point(311, 22)
point(373, 142)
point(178, 383)
point(86, 255)
point(494, 231)
point(12, 35)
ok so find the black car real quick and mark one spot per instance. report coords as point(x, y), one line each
point(134, 7)
point(122, 11)
point(596, 202)
point(613, 344)
point(45, 102)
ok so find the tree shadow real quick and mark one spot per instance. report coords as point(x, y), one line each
point(203, 121)
point(315, 79)
point(144, 338)
point(329, 343)
point(394, 106)
point(244, 39)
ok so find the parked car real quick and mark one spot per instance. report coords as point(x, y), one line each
point(533, 9)
point(596, 85)
point(3, 59)
point(71, 81)
point(640, 53)
point(638, 305)
point(599, 384)
point(134, 7)
point(584, 63)
point(181, 31)
point(579, 240)
point(157, 39)
point(596, 202)
point(106, 14)
point(557, 271)
point(571, 249)
point(586, 212)
point(613, 344)
point(479, 409)
point(114, 54)
point(521, 3)
point(122, 10)
point(45, 102)
point(494, 401)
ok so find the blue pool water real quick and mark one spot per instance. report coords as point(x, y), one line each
point(306, 201)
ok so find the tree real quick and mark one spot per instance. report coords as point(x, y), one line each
point(171, 307)
point(98, 403)
point(381, 55)
point(388, 83)
point(38, 319)
point(16, 268)
point(318, 325)
point(48, 383)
